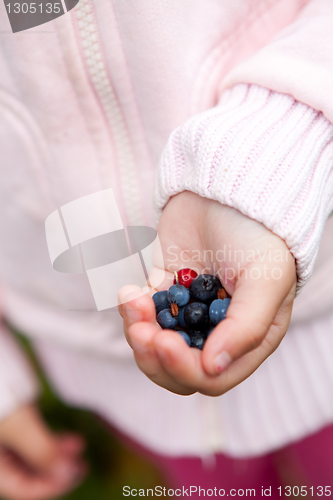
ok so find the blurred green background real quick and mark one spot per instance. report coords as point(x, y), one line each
point(112, 465)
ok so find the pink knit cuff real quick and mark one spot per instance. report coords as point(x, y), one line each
point(266, 155)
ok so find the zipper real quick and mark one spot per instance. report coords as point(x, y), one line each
point(93, 53)
point(213, 429)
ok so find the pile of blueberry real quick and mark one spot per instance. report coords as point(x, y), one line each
point(192, 306)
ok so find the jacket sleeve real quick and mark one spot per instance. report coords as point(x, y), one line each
point(266, 149)
point(18, 384)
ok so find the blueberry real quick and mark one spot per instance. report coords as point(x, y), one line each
point(197, 339)
point(161, 301)
point(196, 315)
point(218, 310)
point(166, 320)
point(205, 287)
point(181, 319)
point(185, 337)
point(178, 294)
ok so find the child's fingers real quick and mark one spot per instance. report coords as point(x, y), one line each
point(25, 433)
point(138, 311)
point(252, 310)
point(19, 483)
point(167, 360)
point(71, 444)
point(180, 362)
point(127, 293)
point(120, 310)
point(176, 356)
point(141, 309)
point(142, 337)
point(135, 307)
point(140, 328)
point(184, 365)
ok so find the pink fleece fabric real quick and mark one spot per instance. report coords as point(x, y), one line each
point(297, 62)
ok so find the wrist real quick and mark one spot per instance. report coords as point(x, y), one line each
point(264, 154)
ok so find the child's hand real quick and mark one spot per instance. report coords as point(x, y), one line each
point(35, 464)
point(259, 273)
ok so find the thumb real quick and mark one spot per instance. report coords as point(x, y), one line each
point(253, 308)
point(26, 433)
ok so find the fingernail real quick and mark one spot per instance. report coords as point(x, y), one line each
point(222, 361)
point(133, 314)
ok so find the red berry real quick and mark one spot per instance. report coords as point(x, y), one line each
point(185, 277)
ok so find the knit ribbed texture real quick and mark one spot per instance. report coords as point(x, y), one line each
point(264, 154)
point(18, 385)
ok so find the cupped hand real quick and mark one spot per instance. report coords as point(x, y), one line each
point(36, 464)
point(257, 270)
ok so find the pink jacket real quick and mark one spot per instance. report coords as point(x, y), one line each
point(88, 102)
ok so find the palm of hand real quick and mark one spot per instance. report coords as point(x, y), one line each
point(255, 267)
